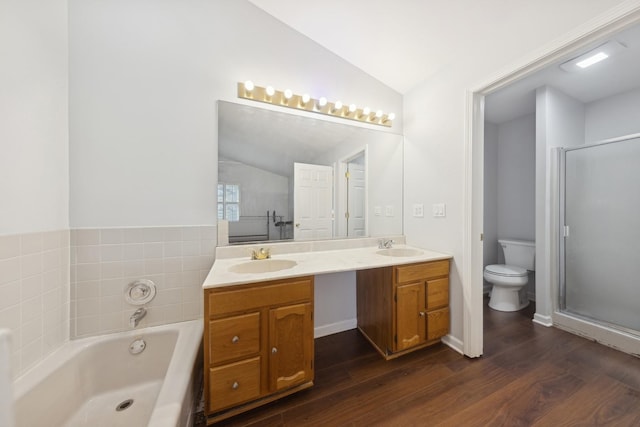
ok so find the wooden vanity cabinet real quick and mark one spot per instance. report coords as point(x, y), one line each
point(403, 308)
point(258, 342)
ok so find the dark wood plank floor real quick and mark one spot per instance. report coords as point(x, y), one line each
point(529, 375)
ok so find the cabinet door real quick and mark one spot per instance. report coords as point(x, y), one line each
point(290, 346)
point(410, 315)
point(437, 323)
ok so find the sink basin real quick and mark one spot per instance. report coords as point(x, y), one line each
point(262, 266)
point(400, 252)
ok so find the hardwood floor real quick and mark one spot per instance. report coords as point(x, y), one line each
point(529, 375)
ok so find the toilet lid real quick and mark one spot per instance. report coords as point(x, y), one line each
point(506, 270)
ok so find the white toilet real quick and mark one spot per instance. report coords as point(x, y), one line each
point(510, 280)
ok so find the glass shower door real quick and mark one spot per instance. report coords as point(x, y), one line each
point(602, 234)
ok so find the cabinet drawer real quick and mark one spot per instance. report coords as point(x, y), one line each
point(408, 273)
point(437, 323)
point(234, 383)
point(261, 295)
point(437, 293)
point(234, 337)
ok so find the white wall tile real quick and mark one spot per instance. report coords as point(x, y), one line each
point(87, 254)
point(31, 264)
point(9, 270)
point(155, 253)
point(111, 236)
point(30, 243)
point(9, 246)
point(9, 294)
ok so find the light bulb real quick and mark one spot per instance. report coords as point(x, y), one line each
point(391, 116)
point(270, 90)
point(288, 94)
point(305, 98)
point(366, 111)
point(338, 105)
point(322, 102)
point(352, 108)
point(378, 114)
point(248, 86)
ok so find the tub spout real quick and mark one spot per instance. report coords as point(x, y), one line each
point(137, 316)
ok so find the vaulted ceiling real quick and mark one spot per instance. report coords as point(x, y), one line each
point(404, 42)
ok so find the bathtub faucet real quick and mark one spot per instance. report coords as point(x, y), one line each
point(137, 316)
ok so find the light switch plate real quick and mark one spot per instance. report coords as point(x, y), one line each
point(377, 210)
point(418, 210)
point(388, 210)
point(439, 210)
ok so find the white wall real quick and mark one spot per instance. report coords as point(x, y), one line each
point(34, 213)
point(612, 116)
point(434, 129)
point(34, 170)
point(145, 78)
point(516, 178)
point(559, 123)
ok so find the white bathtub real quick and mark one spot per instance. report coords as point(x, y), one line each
point(82, 383)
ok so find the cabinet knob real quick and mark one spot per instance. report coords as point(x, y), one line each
point(235, 385)
point(235, 339)
point(422, 313)
point(274, 350)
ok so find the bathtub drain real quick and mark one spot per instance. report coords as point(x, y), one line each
point(124, 405)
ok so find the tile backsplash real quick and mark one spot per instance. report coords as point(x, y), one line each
point(104, 261)
point(34, 294)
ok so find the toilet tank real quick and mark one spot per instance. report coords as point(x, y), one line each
point(520, 253)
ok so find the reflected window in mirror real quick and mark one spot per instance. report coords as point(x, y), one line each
point(229, 202)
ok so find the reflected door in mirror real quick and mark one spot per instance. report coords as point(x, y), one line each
point(313, 202)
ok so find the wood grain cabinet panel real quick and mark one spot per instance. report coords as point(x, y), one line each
point(259, 342)
point(234, 383)
point(234, 337)
point(418, 315)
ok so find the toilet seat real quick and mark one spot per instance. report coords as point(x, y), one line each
point(505, 270)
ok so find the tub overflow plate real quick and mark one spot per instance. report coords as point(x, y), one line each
point(137, 346)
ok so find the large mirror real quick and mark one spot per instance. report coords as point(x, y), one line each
point(284, 176)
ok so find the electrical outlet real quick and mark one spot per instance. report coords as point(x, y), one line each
point(439, 210)
point(418, 210)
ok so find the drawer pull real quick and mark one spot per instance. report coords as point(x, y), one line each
point(274, 350)
point(235, 385)
point(235, 339)
point(422, 313)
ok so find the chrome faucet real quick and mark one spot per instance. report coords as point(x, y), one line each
point(385, 243)
point(137, 316)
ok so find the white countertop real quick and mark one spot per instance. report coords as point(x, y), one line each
point(313, 263)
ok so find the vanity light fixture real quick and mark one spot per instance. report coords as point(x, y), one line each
point(286, 98)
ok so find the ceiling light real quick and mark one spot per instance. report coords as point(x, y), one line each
point(593, 56)
point(592, 60)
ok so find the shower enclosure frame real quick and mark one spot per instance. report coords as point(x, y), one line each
point(615, 336)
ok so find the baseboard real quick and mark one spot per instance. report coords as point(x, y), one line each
point(334, 328)
point(542, 320)
point(454, 343)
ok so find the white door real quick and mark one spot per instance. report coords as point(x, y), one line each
point(312, 202)
point(356, 224)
